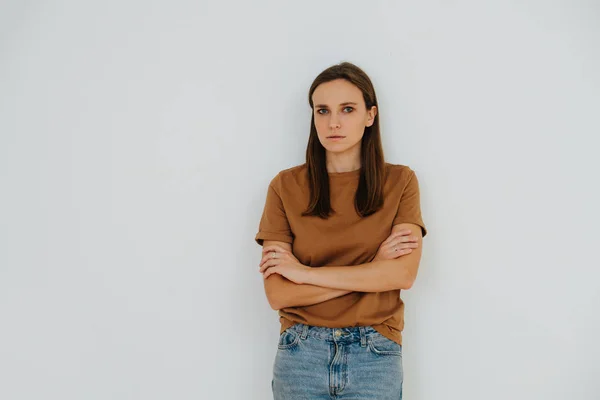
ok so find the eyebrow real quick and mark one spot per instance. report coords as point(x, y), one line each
point(341, 104)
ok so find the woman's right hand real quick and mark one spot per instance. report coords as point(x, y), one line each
point(402, 241)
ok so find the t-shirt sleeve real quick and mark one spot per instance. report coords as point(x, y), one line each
point(274, 224)
point(409, 208)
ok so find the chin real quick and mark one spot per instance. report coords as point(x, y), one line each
point(335, 149)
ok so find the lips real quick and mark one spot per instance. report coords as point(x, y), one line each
point(334, 137)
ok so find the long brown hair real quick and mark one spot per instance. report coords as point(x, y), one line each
point(369, 194)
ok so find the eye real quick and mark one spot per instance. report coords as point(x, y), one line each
point(322, 109)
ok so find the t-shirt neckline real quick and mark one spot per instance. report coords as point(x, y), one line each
point(346, 174)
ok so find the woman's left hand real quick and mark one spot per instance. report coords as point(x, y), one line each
point(284, 264)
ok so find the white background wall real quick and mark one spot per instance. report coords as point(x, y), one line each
point(137, 140)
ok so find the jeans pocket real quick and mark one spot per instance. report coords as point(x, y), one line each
point(288, 339)
point(383, 346)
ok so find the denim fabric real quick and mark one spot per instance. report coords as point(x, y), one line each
point(314, 362)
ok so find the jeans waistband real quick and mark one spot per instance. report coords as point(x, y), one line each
point(345, 334)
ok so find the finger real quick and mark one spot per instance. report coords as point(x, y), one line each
point(263, 260)
point(267, 264)
point(269, 249)
point(402, 249)
point(406, 239)
point(267, 256)
point(270, 264)
point(404, 235)
point(394, 235)
point(394, 243)
point(273, 247)
point(399, 253)
point(405, 245)
point(281, 255)
point(269, 272)
point(408, 245)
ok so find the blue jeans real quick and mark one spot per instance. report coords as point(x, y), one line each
point(314, 362)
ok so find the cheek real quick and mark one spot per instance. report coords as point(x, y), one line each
point(321, 125)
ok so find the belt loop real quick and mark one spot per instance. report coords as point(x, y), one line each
point(304, 331)
point(363, 336)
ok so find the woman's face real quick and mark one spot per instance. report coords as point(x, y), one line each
point(339, 110)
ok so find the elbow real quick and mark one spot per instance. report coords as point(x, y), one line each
point(407, 280)
point(401, 276)
point(275, 304)
point(277, 301)
point(273, 292)
point(403, 284)
point(274, 301)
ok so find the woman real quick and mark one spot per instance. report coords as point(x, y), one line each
point(341, 235)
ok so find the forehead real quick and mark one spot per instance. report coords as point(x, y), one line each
point(336, 92)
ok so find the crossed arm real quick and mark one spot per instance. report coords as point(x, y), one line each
point(335, 281)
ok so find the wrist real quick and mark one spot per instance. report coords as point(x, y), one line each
point(309, 275)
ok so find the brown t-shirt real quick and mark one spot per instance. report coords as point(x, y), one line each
point(343, 239)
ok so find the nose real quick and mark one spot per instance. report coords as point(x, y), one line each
point(334, 122)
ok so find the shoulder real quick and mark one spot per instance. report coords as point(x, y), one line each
point(399, 172)
point(289, 176)
point(293, 171)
